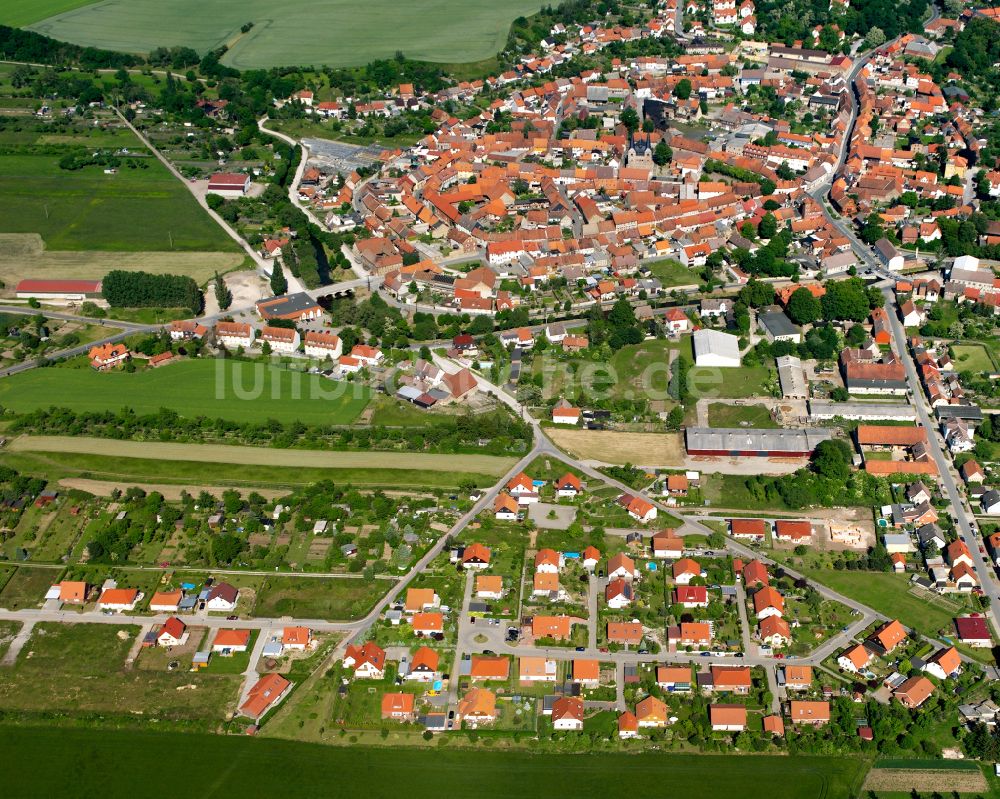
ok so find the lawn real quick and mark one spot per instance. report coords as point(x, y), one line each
point(738, 383)
point(721, 414)
point(673, 273)
point(60, 762)
point(214, 388)
point(333, 33)
point(327, 598)
point(18, 13)
point(78, 670)
point(972, 358)
point(27, 587)
point(888, 594)
point(85, 209)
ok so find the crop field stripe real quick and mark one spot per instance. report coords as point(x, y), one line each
point(333, 33)
point(18, 13)
point(54, 762)
point(233, 390)
point(259, 456)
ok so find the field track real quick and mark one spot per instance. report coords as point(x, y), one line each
point(259, 456)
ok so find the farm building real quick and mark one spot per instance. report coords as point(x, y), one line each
point(821, 410)
point(736, 442)
point(229, 184)
point(792, 377)
point(58, 289)
point(297, 306)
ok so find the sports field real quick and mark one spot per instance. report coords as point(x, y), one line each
point(226, 389)
point(324, 32)
point(61, 762)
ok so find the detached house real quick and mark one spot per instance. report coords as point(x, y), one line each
point(368, 661)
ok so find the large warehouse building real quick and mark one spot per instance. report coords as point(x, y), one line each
point(736, 442)
point(75, 290)
point(715, 348)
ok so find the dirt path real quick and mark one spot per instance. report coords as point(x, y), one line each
point(171, 493)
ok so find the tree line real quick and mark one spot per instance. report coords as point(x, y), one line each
point(124, 289)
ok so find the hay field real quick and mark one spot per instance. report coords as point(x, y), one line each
point(609, 446)
point(23, 255)
point(940, 776)
point(260, 456)
point(307, 32)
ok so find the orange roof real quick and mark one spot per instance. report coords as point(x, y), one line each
point(296, 636)
point(731, 676)
point(774, 725)
point(477, 703)
point(890, 635)
point(948, 659)
point(887, 435)
point(418, 598)
point(651, 709)
point(397, 704)
point(231, 638)
point(488, 667)
point(428, 622)
point(72, 591)
point(585, 669)
point(550, 626)
point(727, 715)
point(624, 632)
point(268, 690)
point(669, 674)
point(166, 598)
point(476, 552)
point(491, 583)
point(118, 596)
point(914, 692)
point(809, 712)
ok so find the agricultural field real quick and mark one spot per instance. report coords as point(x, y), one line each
point(18, 13)
point(610, 446)
point(79, 669)
point(51, 762)
point(24, 255)
point(940, 776)
point(86, 209)
point(331, 599)
point(195, 475)
point(211, 388)
point(335, 33)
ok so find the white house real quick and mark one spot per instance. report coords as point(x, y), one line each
point(235, 334)
point(222, 597)
point(888, 255)
point(280, 339)
point(320, 344)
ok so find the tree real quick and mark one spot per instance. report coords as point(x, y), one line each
point(875, 37)
point(803, 307)
point(768, 226)
point(682, 91)
point(756, 294)
point(223, 296)
point(279, 285)
point(630, 119)
point(662, 153)
point(832, 459)
point(845, 300)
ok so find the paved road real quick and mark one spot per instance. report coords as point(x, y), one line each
point(959, 510)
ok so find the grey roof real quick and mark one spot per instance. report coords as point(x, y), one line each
point(968, 413)
point(777, 323)
point(822, 409)
point(737, 439)
point(886, 249)
point(287, 304)
point(792, 376)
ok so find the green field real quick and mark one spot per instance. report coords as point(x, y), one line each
point(18, 13)
point(47, 762)
point(332, 33)
point(672, 273)
point(79, 670)
point(129, 471)
point(27, 586)
point(888, 594)
point(226, 389)
point(320, 598)
point(721, 414)
point(85, 209)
